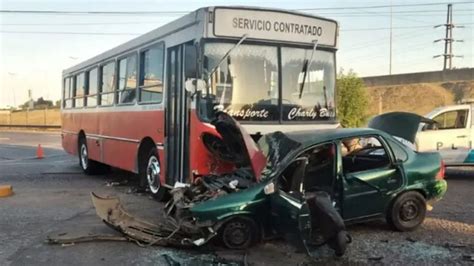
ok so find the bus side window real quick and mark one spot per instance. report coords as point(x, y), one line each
point(67, 101)
point(151, 74)
point(107, 84)
point(126, 92)
point(91, 100)
point(80, 86)
point(190, 61)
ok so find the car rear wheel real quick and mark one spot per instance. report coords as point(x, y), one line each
point(150, 173)
point(408, 211)
point(90, 167)
point(239, 232)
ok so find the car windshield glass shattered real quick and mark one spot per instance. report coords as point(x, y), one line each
point(276, 147)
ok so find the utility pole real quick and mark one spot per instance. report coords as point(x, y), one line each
point(448, 40)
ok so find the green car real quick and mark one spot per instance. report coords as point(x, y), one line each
point(368, 173)
point(364, 174)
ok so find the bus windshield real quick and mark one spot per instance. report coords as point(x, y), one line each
point(246, 84)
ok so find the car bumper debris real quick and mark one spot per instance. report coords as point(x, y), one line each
point(169, 233)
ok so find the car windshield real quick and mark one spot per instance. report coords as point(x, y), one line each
point(246, 83)
point(276, 147)
point(315, 100)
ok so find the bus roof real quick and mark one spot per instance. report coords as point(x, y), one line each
point(230, 22)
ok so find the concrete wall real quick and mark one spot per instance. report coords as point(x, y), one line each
point(463, 74)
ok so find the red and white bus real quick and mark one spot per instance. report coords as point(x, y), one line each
point(144, 105)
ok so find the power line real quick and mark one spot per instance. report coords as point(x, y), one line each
point(179, 12)
point(93, 12)
point(69, 33)
point(81, 24)
point(135, 34)
point(395, 12)
point(396, 28)
point(384, 6)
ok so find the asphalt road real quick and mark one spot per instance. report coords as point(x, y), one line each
point(52, 196)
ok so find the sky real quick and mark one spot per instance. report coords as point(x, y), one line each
point(35, 48)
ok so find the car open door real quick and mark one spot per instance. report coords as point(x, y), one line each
point(289, 215)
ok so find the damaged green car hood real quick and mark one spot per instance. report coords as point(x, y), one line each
point(241, 202)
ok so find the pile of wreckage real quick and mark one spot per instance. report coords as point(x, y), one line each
point(181, 227)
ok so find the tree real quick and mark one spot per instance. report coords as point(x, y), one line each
point(351, 99)
point(39, 104)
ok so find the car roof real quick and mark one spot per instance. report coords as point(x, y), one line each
point(309, 137)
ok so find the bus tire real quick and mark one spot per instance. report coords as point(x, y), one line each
point(90, 167)
point(149, 175)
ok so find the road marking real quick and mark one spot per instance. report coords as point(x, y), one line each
point(4, 138)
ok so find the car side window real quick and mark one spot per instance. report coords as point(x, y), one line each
point(452, 119)
point(398, 151)
point(313, 170)
point(363, 153)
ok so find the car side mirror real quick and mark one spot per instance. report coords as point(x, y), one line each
point(433, 126)
point(269, 188)
point(194, 85)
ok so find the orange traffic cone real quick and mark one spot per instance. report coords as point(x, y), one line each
point(39, 152)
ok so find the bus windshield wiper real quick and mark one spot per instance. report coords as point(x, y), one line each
point(306, 66)
point(227, 54)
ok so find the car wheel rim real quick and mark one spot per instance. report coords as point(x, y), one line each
point(409, 211)
point(153, 174)
point(237, 234)
point(84, 156)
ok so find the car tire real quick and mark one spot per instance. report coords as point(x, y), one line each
point(149, 174)
point(239, 232)
point(407, 212)
point(90, 167)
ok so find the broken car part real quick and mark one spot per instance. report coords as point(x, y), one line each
point(168, 233)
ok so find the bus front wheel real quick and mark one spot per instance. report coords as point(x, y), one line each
point(150, 172)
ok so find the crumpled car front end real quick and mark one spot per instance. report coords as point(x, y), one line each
point(212, 202)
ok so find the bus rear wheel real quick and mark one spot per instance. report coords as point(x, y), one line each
point(149, 173)
point(90, 167)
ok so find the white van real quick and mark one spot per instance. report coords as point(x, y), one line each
point(452, 135)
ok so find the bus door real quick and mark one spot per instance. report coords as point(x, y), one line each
point(176, 119)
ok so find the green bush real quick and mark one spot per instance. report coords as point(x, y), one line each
point(352, 100)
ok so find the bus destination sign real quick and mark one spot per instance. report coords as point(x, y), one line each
point(274, 25)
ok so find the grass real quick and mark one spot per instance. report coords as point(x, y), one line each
point(418, 98)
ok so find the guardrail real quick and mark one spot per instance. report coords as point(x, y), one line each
point(31, 126)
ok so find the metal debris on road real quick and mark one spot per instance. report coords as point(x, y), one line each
point(66, 238)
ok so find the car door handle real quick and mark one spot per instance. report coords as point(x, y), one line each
point(462, 136)
point(392, 181)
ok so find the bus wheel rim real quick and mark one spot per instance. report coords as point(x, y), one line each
point(84, 156)
point(153, 174)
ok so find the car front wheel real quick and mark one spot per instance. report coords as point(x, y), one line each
point(408, 211)
point(239, 232)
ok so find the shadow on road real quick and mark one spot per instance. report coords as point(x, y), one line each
point(460, 173)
